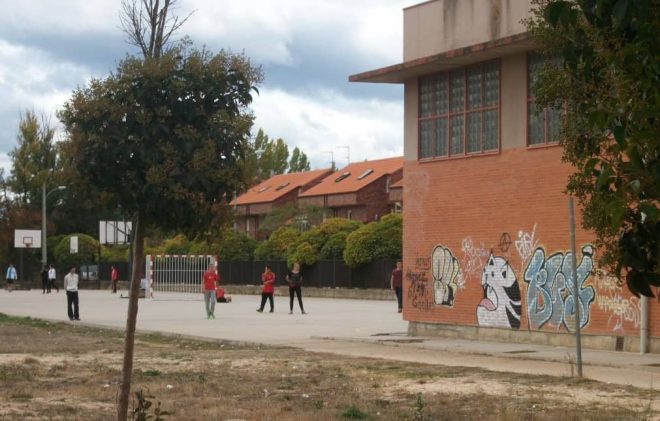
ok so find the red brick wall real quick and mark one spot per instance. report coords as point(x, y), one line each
point(375, 200)
point(511, 205)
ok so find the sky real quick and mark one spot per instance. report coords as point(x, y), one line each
point(307, 49)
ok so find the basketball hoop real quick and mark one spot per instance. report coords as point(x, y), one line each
point(27, 242)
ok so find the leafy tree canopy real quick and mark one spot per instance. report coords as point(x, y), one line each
point(608, 86)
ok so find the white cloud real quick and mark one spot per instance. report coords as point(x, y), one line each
point(325, 121)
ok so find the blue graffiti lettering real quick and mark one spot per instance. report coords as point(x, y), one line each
point(550, 294)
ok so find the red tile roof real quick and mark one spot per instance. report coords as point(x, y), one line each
point(359, 176)
point(279, 185)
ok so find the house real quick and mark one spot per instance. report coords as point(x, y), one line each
point(486, 221)
point(280, 190)
point(358, 191)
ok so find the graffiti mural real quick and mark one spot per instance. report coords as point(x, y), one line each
point(446, 276)
point(550, 293)
point(419, 293)
point(526, 244)
point(621, 310)
point(473, 257)
point(500, 305)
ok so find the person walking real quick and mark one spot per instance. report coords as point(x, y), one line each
point(52, 278)
point(294, 279)
point(268, 288)
point(11, 277)
point(45, 285)
point(113, 279)
point(209, 283)
point(396, 283)
point(71, 288)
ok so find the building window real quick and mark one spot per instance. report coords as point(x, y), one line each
point(542, 125)
point(459, 112)
point(398, 207)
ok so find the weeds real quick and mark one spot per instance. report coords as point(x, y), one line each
point(418, 409)
point(143, 406)
point(353, 412)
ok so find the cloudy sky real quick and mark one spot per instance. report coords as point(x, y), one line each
point(307, 50)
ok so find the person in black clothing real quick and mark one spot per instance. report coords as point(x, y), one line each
point(294, 279)
point(45, 283)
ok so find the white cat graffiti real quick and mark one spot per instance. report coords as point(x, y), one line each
point(501, 304)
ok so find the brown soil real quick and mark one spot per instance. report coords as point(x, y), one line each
point(68, 371)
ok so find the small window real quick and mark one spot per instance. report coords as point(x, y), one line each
point(283, 185)
point(263, 189)
point(364, 174)
point(343, 176)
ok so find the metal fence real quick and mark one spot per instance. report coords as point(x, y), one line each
point(324, 273)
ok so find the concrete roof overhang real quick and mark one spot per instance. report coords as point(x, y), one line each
point(399, 73)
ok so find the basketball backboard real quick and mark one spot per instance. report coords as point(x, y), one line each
point(114, 232)
point(29, 239)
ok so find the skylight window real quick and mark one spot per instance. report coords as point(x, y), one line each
point(263, 189)
point(364, 174)
point(341, 177)
point(283, 185)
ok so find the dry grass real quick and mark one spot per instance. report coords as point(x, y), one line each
point(66, 371)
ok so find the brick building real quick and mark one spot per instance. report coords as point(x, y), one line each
point(358, 191)
point(486, 225)
point(252, 207)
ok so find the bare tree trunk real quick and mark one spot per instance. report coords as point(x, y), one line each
point(131, 319)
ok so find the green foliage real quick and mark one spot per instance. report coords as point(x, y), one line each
point(298, 162)
point(88, 249)
point(115, 253)
point(162, 136)
point(178, 244)
point(305, 254)
point(33, 159)
point(200, 247)
point(608, 87)
point(376, 240)
point(334, 225)
point(278, 217)
point(333, 249)
point(276, 246)
point(236, 246)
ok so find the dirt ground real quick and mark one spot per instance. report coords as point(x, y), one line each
point(63, 371)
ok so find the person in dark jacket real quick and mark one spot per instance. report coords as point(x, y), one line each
point(45, 283)
point(294, 279)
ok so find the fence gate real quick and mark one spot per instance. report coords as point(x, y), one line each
point(179, 273)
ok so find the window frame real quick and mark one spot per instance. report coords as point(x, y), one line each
point(464, 112)
point(529, 100)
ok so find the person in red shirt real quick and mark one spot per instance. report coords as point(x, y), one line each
point(113, 278)
point(396, 283)
point(209, 281)
point(268, 280)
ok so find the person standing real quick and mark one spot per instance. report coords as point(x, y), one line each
point(45, 285)
point(294, 279)
point(52, 278)
point(113, 279)
point(396, 283)
point(11, 277)
point(209, 283)
point(71, 288)
point(268, 288)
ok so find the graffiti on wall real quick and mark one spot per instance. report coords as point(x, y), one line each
point(419, 293)
point(447, 278)
point(526, 244)
point(501, 304)
point(505, 242)
point(621, 310)
point(550, 293)
point(474, 257)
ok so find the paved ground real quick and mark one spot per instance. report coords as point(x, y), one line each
point(349, 327)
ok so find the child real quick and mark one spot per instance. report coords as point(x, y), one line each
point(221, 297)
point(268, 280)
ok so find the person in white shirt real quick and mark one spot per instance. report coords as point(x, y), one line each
point(52, 278)
point(71, 287)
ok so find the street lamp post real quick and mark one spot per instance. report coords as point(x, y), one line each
point(44, 196)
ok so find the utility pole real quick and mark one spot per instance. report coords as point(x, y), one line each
point(576, 289)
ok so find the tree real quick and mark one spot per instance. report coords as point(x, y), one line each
point(88, 249)
point(160, 136)
point(376, 240)
point(298, 162)
point(236, 246)
point(33, 159)
point(608, 86)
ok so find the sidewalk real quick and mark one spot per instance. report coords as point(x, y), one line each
point(360, 328)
